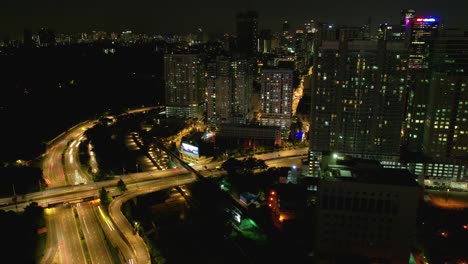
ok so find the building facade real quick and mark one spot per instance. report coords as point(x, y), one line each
point(184, 85)
point(366, 212)
point(358, 99)
point(276, 97)
point(219, 91)
point(247, 33)
point(422, 31)
point(229, 91)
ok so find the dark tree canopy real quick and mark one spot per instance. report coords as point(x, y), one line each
point(22, 179)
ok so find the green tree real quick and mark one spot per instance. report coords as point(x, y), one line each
point(121, 185)
point(104, 196)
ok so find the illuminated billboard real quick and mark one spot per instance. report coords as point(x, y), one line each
point(426, 19)
point(190, 148)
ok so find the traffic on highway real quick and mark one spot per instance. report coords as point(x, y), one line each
point(77, 224)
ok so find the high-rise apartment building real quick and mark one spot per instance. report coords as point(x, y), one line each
point(184, 85)
point(387, 32)
point(247, 32)
point(219, 91)
point(366, 29)
point(229, 90)
point(243, 79)
point(264, 41)
point(276, 97)
point(303, 46)
point(358, 99)
point(446, 123)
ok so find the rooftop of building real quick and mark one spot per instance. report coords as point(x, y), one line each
point(370, 171)
point(359, 163)
point(256, 126)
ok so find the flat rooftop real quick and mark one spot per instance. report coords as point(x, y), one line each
point(373, 175)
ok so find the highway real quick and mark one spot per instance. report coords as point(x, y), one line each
point(131, 248)
point(52, 165)
point(61, 169)
point(68, 246)
point(72, 193)
point(88, 214)
point(76, 228)
point(73, 168)
point(68, 187)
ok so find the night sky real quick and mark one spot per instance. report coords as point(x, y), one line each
point(183, 16)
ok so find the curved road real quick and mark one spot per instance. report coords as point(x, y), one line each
point(61, 168)
point(63, 232)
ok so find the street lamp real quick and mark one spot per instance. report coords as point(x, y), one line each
point(15, 197)
point(136, 227)
point(447, 195)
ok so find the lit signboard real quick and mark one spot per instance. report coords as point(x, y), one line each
point(190, 148)
point(426, 19)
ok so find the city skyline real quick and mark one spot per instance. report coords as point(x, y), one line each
point(169, 17)
point(284, 142)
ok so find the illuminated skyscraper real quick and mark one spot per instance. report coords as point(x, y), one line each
point(446, 123)
point(357, 99)
point(184, 85)
point(423, 30)
point(242, 91)
point(229, 89)
point(219, 91)
point(276, 97)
